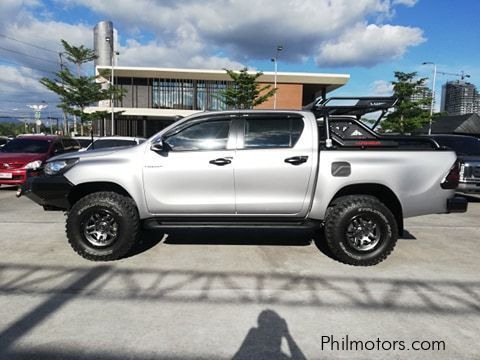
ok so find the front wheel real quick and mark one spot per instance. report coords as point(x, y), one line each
point(103, 226)
point(360, 230)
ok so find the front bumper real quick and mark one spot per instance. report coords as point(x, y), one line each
point(12, 176)
point(457, 204)
point(51, 192)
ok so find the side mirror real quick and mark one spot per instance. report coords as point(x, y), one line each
point(157, 146)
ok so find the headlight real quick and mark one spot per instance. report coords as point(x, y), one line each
point(34, 165)
point(59, 166)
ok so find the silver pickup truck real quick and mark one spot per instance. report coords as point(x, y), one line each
point(317, 169)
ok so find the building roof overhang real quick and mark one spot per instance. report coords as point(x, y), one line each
point(328, 81)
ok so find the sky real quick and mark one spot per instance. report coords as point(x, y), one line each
point(367, 39)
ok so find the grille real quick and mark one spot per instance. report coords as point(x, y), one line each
point(11, 165)
point(476, 171)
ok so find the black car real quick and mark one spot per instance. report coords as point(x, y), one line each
point(468, 153)
point(3, 140)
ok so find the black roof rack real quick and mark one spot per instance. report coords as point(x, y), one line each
point(362, 105)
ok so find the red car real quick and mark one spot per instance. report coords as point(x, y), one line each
point(28, 153)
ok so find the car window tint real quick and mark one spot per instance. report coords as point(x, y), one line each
point(107, 143)
point(272, 133)
point(208, 135)
point(67, 144)
point(57, 146)
point(84, 142)
point(32, 146)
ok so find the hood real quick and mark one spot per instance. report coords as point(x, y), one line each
point(89, 153)
point(20, 158)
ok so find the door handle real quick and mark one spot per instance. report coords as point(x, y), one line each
point(296, 160)
point(220, 161)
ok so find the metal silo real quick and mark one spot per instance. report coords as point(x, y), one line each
point(103, 41)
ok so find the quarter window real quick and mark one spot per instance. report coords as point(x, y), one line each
point(208, 135)
point(272, 133)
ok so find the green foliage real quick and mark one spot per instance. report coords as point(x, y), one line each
point(78, 55)
point(245, 93)
point(11, 128)
point(408, 114)
point(76, 92)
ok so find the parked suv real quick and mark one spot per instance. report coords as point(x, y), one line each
point(29, 153)
point(468, 153)
point(255, 169)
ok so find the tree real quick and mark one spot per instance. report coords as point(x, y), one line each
point(11, 128)
point(246, 92)
point(408, 114)
point(78, 55)
point(76, 92)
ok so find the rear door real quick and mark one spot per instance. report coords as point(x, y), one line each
point(273, 165)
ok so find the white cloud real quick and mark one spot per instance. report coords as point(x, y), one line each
point(213, 33)
point(408, 3)
point(155, 55)
point(368, 45)
point(19, 86)
point(381, 88)
point(244, 29)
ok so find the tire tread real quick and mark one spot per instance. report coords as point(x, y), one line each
point(131, 213)
point(335, 212)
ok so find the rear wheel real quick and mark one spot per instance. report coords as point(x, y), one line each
point(103, 226)
point(360, 230)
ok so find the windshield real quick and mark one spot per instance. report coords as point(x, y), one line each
point(31, 146)
point(84, 142)
point(107, 143)
point(461, 145)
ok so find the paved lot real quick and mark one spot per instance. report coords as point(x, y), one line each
point(216, 295)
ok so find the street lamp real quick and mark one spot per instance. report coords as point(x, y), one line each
point(275, 61)
point(49, 119)
point(433, 93)
point(37, 109)
point(112, 82)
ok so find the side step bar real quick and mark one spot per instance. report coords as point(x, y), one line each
point(161, 223)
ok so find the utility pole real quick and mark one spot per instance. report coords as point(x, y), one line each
point(65, 121)
point(432, 104)
point(113, 53)
point(275, 61)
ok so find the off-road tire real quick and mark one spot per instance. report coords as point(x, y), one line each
point(125, 215)
point(342, 213)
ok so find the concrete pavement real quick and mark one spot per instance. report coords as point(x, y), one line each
point(223, 295)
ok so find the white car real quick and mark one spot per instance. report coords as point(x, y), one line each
point(115, 141)
point(84, 141)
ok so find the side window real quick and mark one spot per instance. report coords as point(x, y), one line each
point(272, 133)
point(67, 145)
point(57, 147)
point(208, 135)
point(70, 145)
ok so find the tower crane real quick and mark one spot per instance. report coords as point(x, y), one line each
point(462, 74)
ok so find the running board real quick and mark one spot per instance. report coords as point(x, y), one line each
point(160, 223)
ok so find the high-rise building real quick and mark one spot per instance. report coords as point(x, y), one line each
point(422, 94)
point(460, 97)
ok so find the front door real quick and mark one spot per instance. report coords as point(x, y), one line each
point(194, 176)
